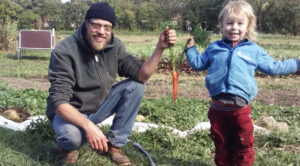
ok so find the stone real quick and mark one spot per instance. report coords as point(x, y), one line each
point(12, 115)
point(140, 118)
point(271, 124)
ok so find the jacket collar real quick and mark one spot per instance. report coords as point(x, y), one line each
point(229, 42)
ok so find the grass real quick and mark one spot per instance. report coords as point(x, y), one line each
point(186, 113)
point(279, 82)
point(27, 66)
point(36, 146)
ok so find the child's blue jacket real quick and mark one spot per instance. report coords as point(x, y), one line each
point(232, 70)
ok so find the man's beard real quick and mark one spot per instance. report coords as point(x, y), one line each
point(96, 45)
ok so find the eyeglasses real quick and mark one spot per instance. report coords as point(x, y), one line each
point(98, 26)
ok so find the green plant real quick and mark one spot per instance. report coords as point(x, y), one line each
point(201, 36)
point(175, 61)
point(33, 101)
point(8, 35)
point(183, 115)
point(40, 130)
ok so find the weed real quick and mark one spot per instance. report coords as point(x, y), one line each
point(186, 113)
point(33, 101)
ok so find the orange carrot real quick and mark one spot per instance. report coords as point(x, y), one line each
point(175, 76)
point(176, 67)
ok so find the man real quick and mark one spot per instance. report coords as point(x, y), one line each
point(82, 72)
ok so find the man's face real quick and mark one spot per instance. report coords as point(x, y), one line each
point(98, 33)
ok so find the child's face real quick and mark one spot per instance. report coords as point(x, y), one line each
point(235, 27)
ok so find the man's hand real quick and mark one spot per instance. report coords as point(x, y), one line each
point(167, 38)
point(96, 138)
point(94, 135)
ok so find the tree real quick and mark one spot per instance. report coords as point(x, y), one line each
point(73, 14)
point(127, 20)
point(51, 13)
point(277, 16)
point(125, 13)
point(157, 14)
point(28, 19)
point(273, 16)
point(259, 6)
point(8, 11)
point(142, 16)
point(281, 16)
point(203, 12)
point(8, 24)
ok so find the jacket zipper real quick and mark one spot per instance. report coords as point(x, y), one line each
point(98, 73)
point(96, 58)
point(229, 68)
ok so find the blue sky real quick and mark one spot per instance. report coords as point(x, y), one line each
point(64, 1)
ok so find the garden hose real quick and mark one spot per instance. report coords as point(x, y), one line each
point(137, 145)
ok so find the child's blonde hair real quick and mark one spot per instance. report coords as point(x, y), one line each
point(242, 8)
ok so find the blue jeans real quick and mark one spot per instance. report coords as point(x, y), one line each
point(124, 100)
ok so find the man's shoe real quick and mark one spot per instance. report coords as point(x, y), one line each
point(117, 155)
point(67, 156)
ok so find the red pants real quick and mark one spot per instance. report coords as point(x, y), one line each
point(232, 133)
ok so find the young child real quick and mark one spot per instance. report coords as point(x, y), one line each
point(231, 64)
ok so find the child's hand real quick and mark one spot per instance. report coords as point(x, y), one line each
point(191, 42)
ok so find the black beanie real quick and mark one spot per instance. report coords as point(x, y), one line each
point(102, 10)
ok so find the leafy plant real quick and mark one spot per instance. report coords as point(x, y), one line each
point(170, 25)
point(8, 34)
point(175, 61)
point(201, 36)
point(186, 113)
point(40, 129)
point(33, 101)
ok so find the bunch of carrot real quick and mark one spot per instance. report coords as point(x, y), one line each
point(202, 37)
point(176, 68)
